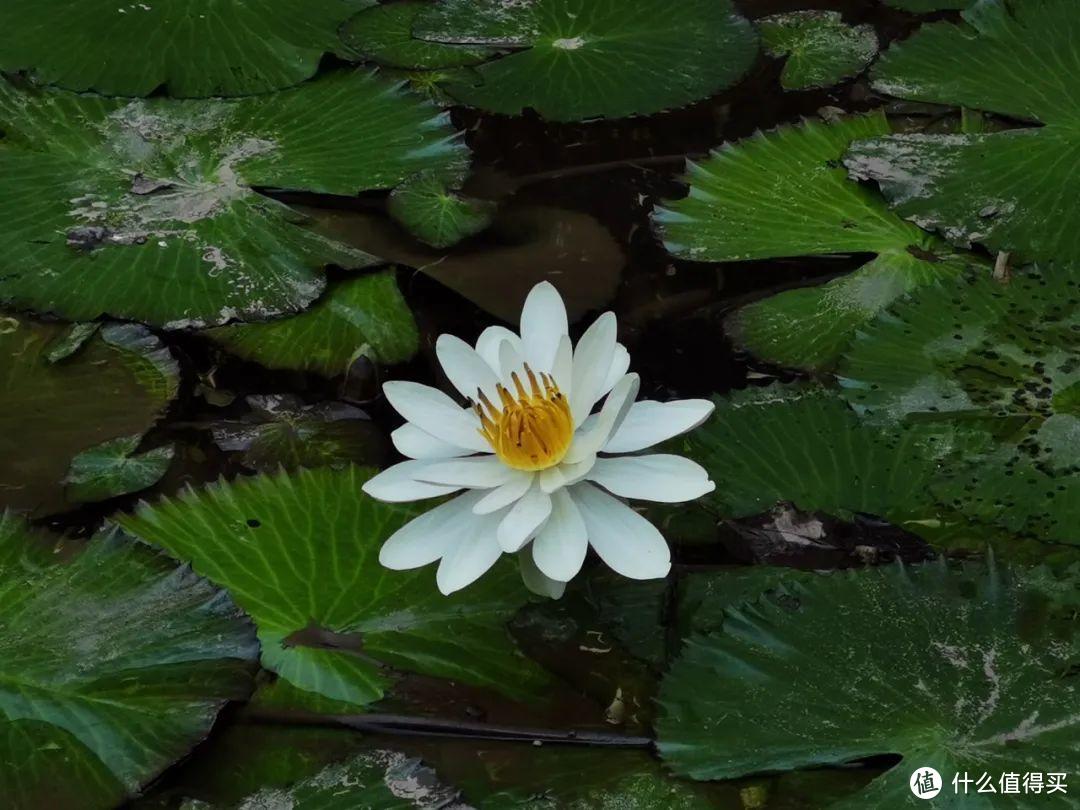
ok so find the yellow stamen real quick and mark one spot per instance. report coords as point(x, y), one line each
point(531, 432)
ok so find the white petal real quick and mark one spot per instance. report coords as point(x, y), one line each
point(473, 555)
point(434, 412)
point(562, 369)
point(626, 541)
point(524, 519)
point(431, 535)
point(591, 437)
point(475, 472)
point(490, 341)
point(534, 578)
point(620, 364)
point(649, 422)
point(506, 493)
point(572, 473)
point(543, 324)
point(559, 548)
point(659, 477)
point(467, 371)
point(413, 442)
point(552, 479)
point(592, 360)
point(399, 483)
point(510, 360)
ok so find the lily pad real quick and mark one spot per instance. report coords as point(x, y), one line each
point(146, 209)
point(1000, 189)
point(807, 447)
point(942, 666)
point(284, 433)
point(114, 468)
point(785, 193)
point(604, 58)
point(821, 49)
point(929, 6)
point(114, 385)
point(189, 47)
point(115, 664)
point(383, 34)
point(435, 214)
point(975, 347)
point(359, 317)
point(299, 552)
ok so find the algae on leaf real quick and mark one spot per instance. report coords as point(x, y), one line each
point(299, 552)
point(785, 193)
point(116, 384)
point(820, 48)
point(945, 666)
point(577, 59)
point(191, 48)
point(1005, 190)
point(113, 665)
point(147, 209)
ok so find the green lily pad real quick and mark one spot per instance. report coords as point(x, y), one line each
point(607, 58)
point(785, 193)
point(929, 6)
point(807, 447)
point(705, 598)
point(146, 209)
point(821, 49)
point(284, 433)
point(299, 552)
point(383, 34)
point(114, 468)
point(114, 385)
point(364, 316)
point(943, 666)
point(975, 347)
point(1000, 189)
point(435, 214)
point(189, 47)
point(115, 664)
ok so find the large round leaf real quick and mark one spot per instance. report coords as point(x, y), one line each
point(806, 446)
point(112, 386)
point(785, 193)
point(1003, 189)
point(146, 209)
point(946, 667)
point(300, 553)
point(589, 58)
point(383, 34)
point(189, 47)
point(113, 664)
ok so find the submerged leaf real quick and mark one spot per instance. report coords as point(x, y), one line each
point(189, 47)
point(821, 49)
point(114, 664)
point(945, 667)
point(575, 59)
point(300, 553)
point(147, 209)
point(114, 468)
point(114, 385)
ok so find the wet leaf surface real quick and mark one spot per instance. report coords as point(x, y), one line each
point(126, 673)
point(820, 48)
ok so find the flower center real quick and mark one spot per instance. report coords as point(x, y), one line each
point(530, 432)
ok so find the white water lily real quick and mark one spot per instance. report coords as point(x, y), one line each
point(541, 471)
